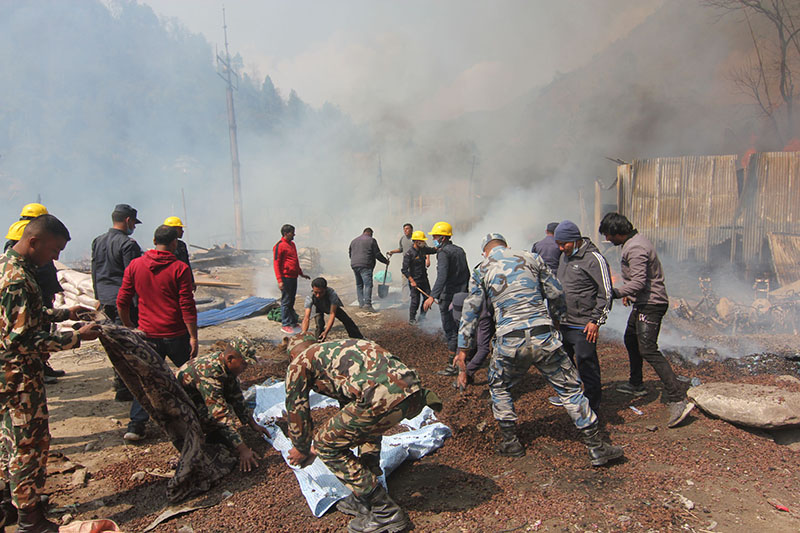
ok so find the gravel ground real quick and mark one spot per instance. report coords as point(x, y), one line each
point(729, 474)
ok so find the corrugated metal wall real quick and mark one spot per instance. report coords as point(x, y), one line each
point(770, 202)
point(684, 204)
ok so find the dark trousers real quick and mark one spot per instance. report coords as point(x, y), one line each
point(417, 298)
point(483, 342)
point(449, 324)
point(352, 330)
point(288, 314)
point(178, 350)
point(363, 285)
point(584, 356)
point(641, 340)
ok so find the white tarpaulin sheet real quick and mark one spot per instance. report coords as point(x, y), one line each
point(319, 486)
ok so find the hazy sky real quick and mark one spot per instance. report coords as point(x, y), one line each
point(430, 59)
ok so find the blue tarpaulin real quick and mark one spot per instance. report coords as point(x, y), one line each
point(248, 307)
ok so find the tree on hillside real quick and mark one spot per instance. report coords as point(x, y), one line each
point(772, 77)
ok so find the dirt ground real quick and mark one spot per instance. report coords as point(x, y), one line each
point(732, 476)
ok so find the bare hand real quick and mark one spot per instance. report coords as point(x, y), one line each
point(248, 459)
point(194, 343)
point(304, 276)
point(322, 336)
point(89, 332)
point(625, 301)
point(258, 428)
point(591, 330)
point(280, 286)
point(460, 361)
point(74, 311)
point(428, 303)
point(412, 283)
point(298, 458)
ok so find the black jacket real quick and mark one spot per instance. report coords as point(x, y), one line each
point(587, 286)
point(364, 251)
point(452, 272)
point(111, 254)
point(414, 263)
point(182, 254)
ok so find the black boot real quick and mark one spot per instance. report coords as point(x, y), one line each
point(352, 506)
point(600, 452)
point(510, 446)
point(384, 516)
point(33, 520)
point(7, 509)
point(50, 371)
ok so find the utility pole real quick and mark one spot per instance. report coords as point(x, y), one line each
point(227, 73)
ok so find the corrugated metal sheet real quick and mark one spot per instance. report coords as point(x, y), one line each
point(770, 202)
point(685, 205)
point(785, 250)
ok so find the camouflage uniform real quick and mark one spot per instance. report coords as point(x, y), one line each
point(26, 340)
point(517, 284)
point(216, 393)
point(375, 390)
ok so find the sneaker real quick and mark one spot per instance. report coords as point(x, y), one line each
point(555, 400)
point(133, 435)
point(635, 390)
point(288, 330)
point(370, 309)
point(678, 412)
point(123, 396)
point(52, 372)
point(449, 371)
point(412, 321)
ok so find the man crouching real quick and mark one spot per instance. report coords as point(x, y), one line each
point(376, 391)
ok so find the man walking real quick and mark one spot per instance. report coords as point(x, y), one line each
point(364, 251)
point(644, 287)
point(585, 278)
point(167, 312)
point(376, 391)
point(452, 277)
point(26, 340)
point(324, 300)
point(516, 285)
point(287, 269)
point(548, 249)
point(415, 270)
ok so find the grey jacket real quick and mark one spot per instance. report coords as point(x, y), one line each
point(641, 272)
point(364, 251)
point(586, 281)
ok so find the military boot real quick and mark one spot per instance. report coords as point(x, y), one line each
point(600, 452)
point(33, 520)
point(352, 506)
point(7, 509)
point(510, 446)
point(384, 515)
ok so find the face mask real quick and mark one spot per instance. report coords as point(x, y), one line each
point(574, 251)
point(437, 244)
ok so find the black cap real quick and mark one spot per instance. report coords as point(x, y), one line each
point(551, 227)
point(127, 211)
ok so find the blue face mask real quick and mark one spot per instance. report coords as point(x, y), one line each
point(438, 244)
point(574, 251)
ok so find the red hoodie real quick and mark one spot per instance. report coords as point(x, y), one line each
point(285, 261)
point(164, 287)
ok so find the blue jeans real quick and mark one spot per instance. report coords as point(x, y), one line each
point(363, 285)
point(178, 350)
point(288, 314)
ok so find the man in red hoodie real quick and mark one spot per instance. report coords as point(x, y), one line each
point(287, 269)
point(167, 312)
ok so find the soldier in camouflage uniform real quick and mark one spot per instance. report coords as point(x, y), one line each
point(212, 382)
point(516, 285)
point(26, 342)
point(376, 391)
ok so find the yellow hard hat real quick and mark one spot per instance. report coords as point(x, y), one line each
point(418, 236)
point(442, 228)
point(16, 229)
point(33, 211)
point(175, 222)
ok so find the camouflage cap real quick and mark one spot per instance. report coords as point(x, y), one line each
point(299, 339)
point(245, 348)
point(492, 237)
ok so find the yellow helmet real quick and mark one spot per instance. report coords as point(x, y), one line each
point(16, 229)
point(33, 211)
point(418, 236)
point(442, 228)
point(175, 222)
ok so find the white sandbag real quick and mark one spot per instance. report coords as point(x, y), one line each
point(70, 290)
point(86, 287)
point(88, 301)
point(73, 277)
point(59, 299)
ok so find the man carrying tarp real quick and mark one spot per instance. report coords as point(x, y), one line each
point(25, 338)
point(526, 299)
point(376, 391)
point(212, 383)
